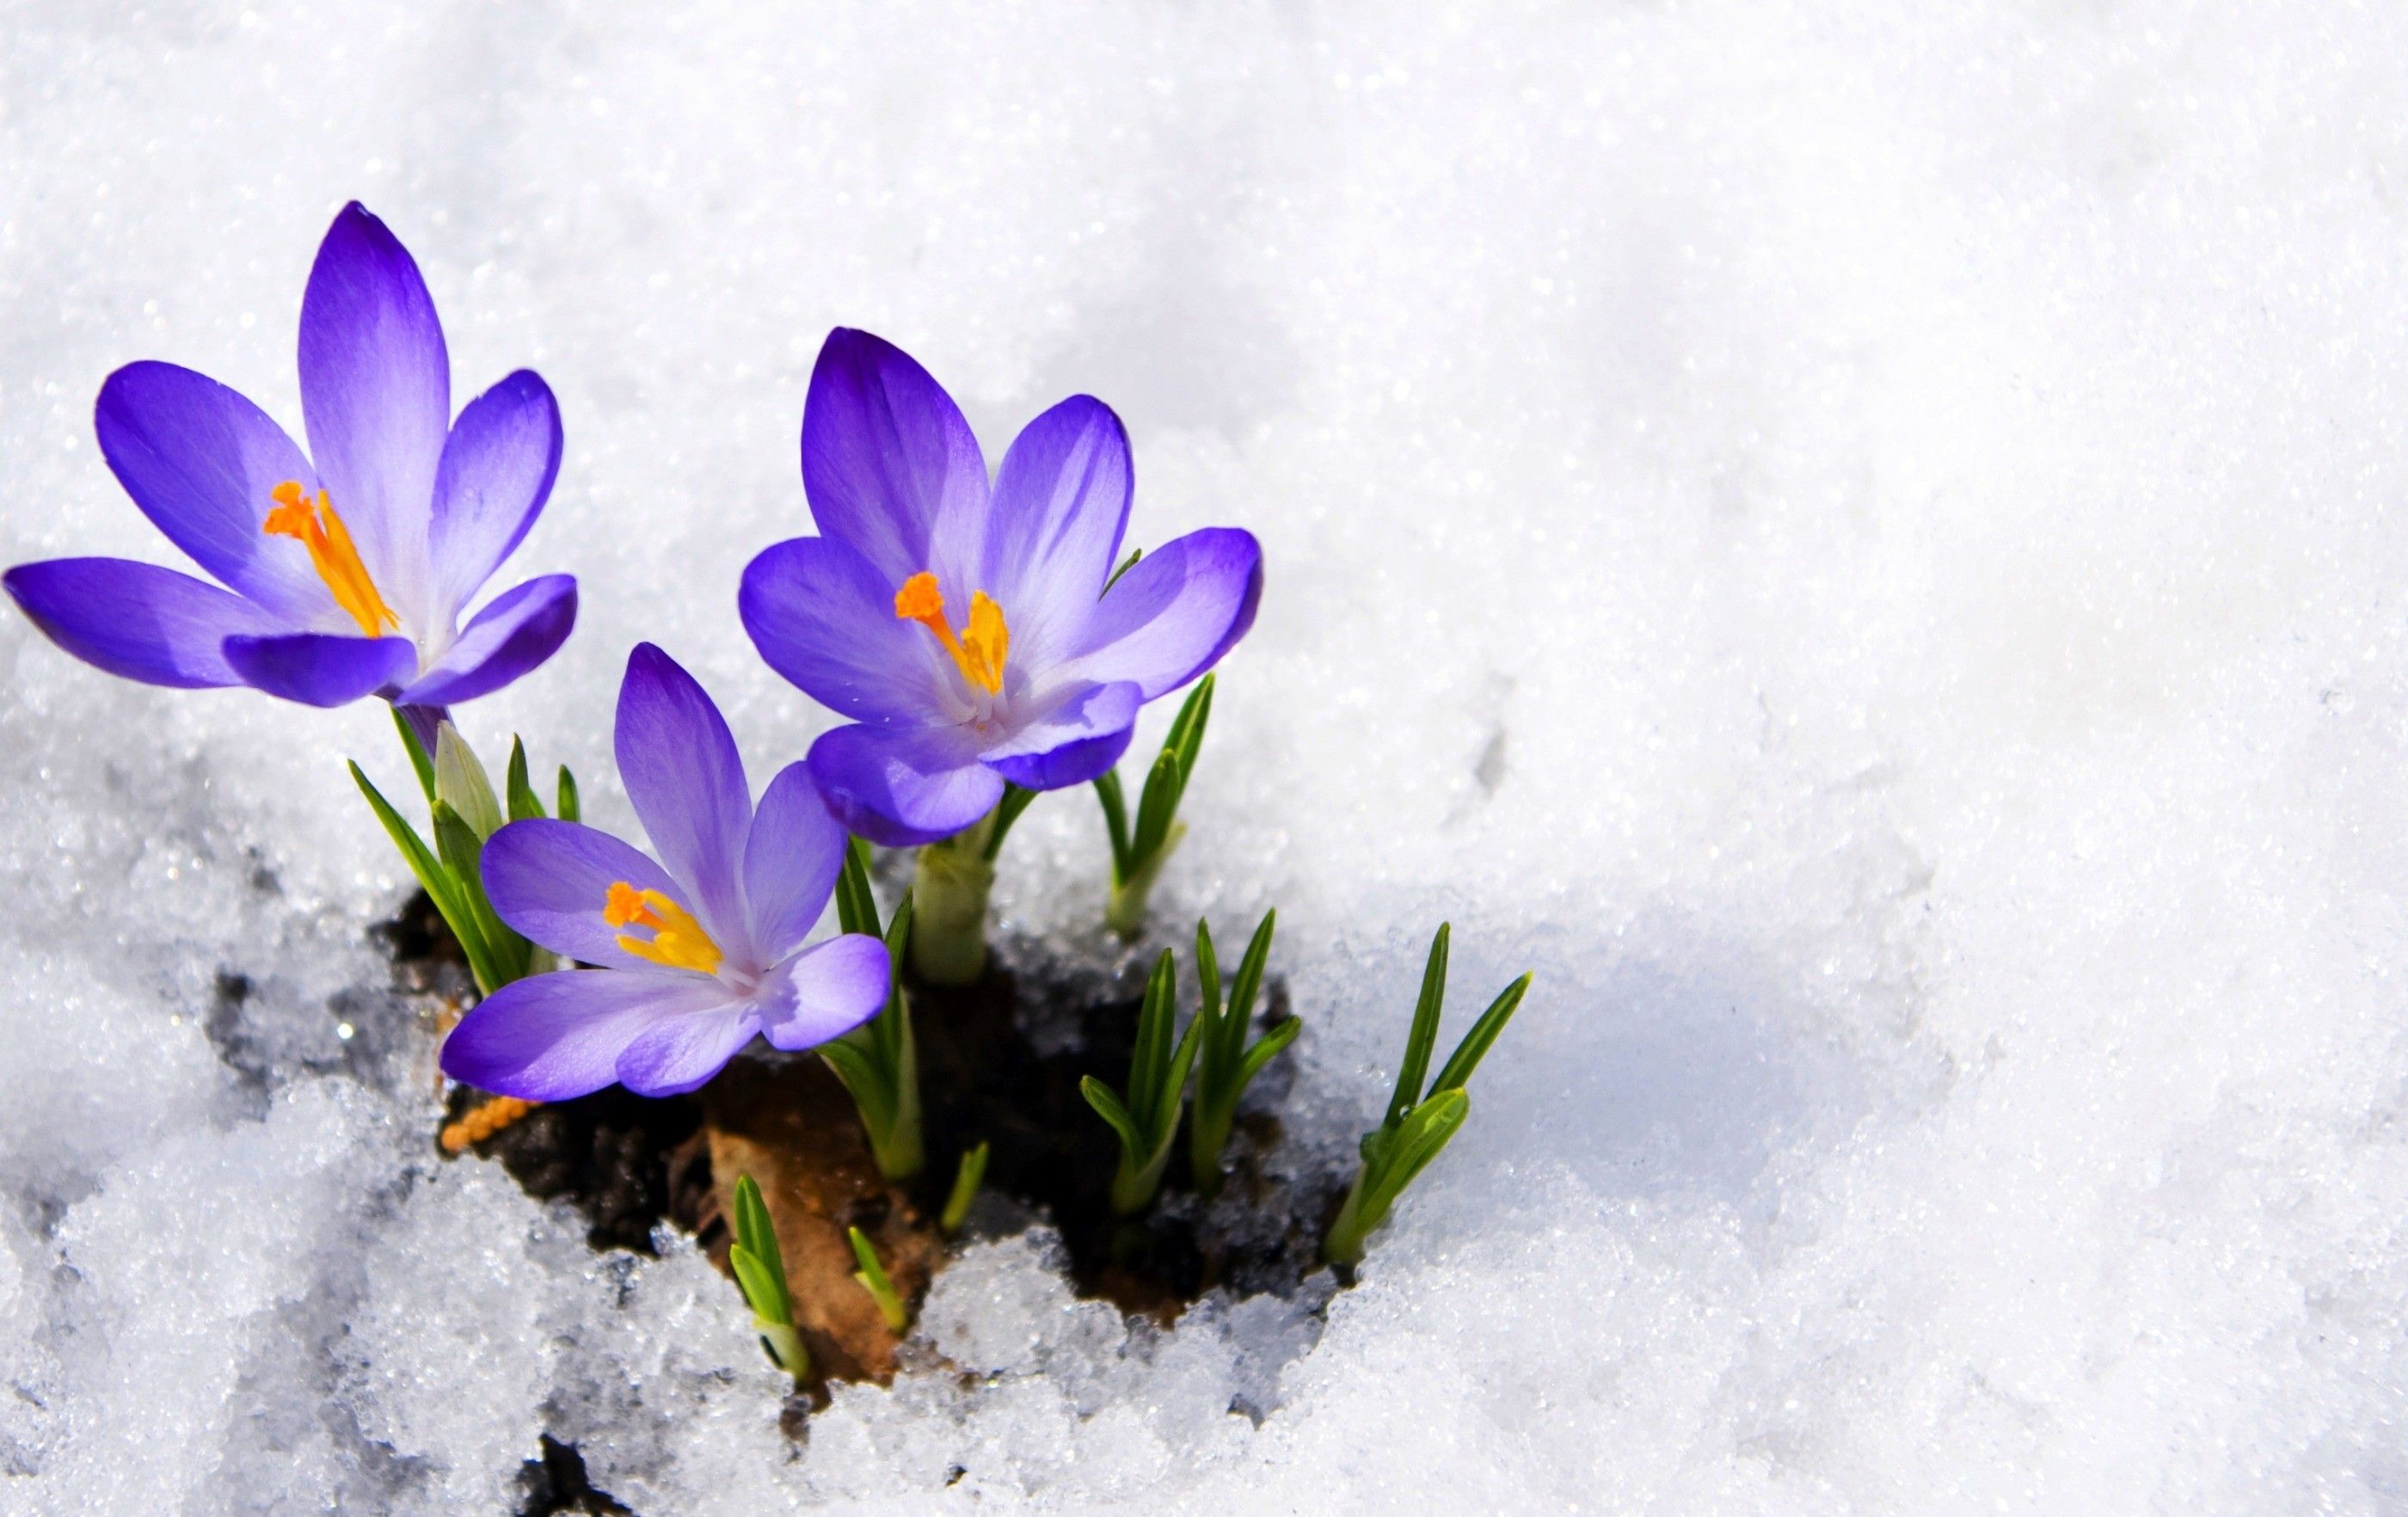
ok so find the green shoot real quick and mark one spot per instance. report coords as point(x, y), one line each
point(950, 880)
point(1148, 1119)
point(1225, 1065)
point(967, 1179)
point(879, 1062)
point(1419, 1123)
point(566, 807)
point(1140, 851)
point(872, 1275)
point(761, 1275)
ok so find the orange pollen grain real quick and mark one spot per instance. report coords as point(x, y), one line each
point(980, 649)
point(314, 524)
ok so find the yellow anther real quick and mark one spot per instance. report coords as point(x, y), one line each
point(979, 652)
point(316, 528)
point(677, 941)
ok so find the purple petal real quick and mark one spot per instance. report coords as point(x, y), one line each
point(901, 786)
point(496, 471)
point(791, 859)
point(1061, 504)
point(888, 463)
point(135, 620)
point(201, 464)
point(321, 668)
point(682, 773)
point(1171, 618)
point(679, 1054)
point(835, 987)
point(375, 389)
point(524, 626)
point(1085, 733)
point(824, 618)
point(551, 1036)
point(550, 879)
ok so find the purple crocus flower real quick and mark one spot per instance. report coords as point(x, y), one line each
point(343, 579)
point(964, 625)
point(697, 953)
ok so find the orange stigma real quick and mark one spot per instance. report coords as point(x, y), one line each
point(979, 652)
point(316, 528)
point(677, 941)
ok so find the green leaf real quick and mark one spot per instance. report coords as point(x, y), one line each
point(1429, 1128)
point(967, 1178)
point(1423, 1036)
point(1007, 812)
point(865, 1078)
point(1476, 1043)
point(1174, 1086)
point(1186, 738)
point(1208, 976)
point(523, 805)
point(856, 906)
point(434, 878)
point(460, 781)
point(1248, 983)
point(1127, 563)
point(1108, 791)
point(765, 1292)
point(872, 1275)
point(1150, 1055)
point(1267, 1050)
point(419, 761)
point(566, 807)
point(505, 951)
point(1108, 1105)
point(1157, 805)
point(754, 1228)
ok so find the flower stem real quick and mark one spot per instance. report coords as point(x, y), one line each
point(1125, 910)
point(1345, 1243)
point(949, 892)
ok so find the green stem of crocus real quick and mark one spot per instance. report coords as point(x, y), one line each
point(1345, 1243)
point(1125, 911)
point(949, 892)
point(785, 1346)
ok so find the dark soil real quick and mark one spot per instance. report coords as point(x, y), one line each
point(556, 1481)
point(1000, 1062)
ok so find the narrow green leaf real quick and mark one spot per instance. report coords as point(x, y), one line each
point(1150, 1054)
point(1267, 1050)
point(1186, 738)
point(865, 1078)
point(433, 878)
point(1127, 563)
point(872, 1275)
point(754, 1228)
point(1429, 1128)
point(856, 906)
point(1423, 1036)
point(521, 794)
point(1173, 1086)
point(1248, 983)
point(566, 806)
point(459, 845)
point(459, 780)
point(1108, 1105)
point(1157, 805)
point(967, 1178)
point(1007, 812)
point(1476, 1043)
point(764, 1291)
point(1208, 976)
point(1108, 791)
point(419, 762)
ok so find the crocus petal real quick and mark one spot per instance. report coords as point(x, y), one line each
point(1061, 504)
point(1085, 733)
point(1171, 618)
point(496, 471)
point(686, 780)
point(550, 879)
point(825, 618)
point(902, 786)
point(889, 465)
point(551, 1036)
point(376, 390)
point(791, 859)
point(203, 464)
point(524, 626)
point(835, 987)
point(677, 1054)
point(321, 668)
point(137, 621)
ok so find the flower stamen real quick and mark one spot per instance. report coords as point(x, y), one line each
point(981, 648)
point(677, 941)
point(316, 528)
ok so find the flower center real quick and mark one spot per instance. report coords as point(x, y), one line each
point(316, 528)
point(677, 941)
point(979, 650)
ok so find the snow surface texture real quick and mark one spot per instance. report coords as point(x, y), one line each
point(1862, 548)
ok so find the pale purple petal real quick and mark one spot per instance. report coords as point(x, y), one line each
point(1061, 504)
point(1084, 734)
point(1171, 618)
point(901, 786)
point(498, 469)
point(137, 621)
point(524, 626)
point(825, 619)
point(791, 860)
point(552, 1036)
point(833, 988)
point(376, 390)
point(550, 881)
point(203, 464)
point(686, 780)
point(679, 1054)
point(889, 465)
point(321, 668)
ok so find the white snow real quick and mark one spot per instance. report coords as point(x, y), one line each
point(1859, 542)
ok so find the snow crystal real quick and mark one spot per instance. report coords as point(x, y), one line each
point(1859, 545)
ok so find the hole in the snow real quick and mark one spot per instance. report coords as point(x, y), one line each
point(556, 1481)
